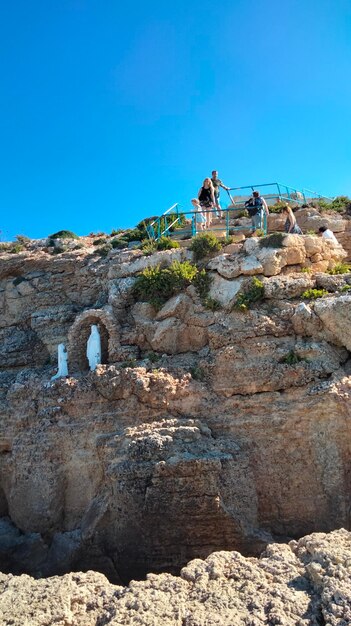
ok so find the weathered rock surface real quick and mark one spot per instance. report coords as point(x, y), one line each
point(202, 430)
point(305, 583)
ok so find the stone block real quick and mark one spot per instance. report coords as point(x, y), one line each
point(225, 291)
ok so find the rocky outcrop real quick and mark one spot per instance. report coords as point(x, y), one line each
point(310, 219)
point(202, 429)
point(306, 582)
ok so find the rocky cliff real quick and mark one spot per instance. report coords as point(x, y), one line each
point(202, 430)
point(305, 583)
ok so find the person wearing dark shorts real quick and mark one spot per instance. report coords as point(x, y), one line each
point(217, 184)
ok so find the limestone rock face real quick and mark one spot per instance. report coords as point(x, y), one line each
point(335, 314)
point(225, 291)
point(286, 287)
point(305, 582)
point(201, 429)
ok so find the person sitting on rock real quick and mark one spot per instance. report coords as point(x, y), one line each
point(291, 226)
point(326, 233)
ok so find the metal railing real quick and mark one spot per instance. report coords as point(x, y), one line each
point(277, 191)
point(187, 224)
point(163, 225)
point(180, 224)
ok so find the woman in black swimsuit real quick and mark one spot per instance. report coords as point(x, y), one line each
point(207, 199)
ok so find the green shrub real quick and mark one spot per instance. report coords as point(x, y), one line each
point(129, 363)
point(202, 283)
point(156, 285)
point(99, 242)
point(204, 244)
point(16, 248)
point(292, 358)
point(184, 273)
point(227, 241)
point(117, 231)
point(345, 288)
point(165, 243)
point(64, 234)
point(277, 207)
point(322, 205)
point(341, 204)
point(135, 234)
point(275, 240)
point(212, 304)
point(253, 292)
point(198, 373)
point(5, 247)
point(146, 221)
point(119, 243)
point(23, 240)
point(339, 268)
point(58, 250)
point(306, 270)
point(313, 294)
point(103, 250)
point(148, 247)
point(153, 357)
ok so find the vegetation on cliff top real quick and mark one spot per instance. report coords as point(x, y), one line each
point(156, 285)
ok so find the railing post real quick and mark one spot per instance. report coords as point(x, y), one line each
point(265, 223)
point(193, 226)
point(227, 221)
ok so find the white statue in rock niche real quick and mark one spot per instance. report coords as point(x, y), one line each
point(62, 358)
point(94, 348)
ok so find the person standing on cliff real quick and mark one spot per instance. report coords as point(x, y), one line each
point(256, 207)
point(217, 183)
point(207, 200)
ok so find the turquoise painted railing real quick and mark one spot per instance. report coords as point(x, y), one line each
point(276, 191)
point(186, 225)
point(163, 225)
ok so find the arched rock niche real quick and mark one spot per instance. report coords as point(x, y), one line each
point(79, 334)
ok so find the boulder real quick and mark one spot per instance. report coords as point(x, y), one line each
point(226, 265)
point(172, 336)
point(272, 260)
point(177, 306)
point(285, 287)
point(225, 291)
point(138, 264)
point(335, 313)
point(305, 322)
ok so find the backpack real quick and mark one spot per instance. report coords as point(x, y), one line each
point(254, 205)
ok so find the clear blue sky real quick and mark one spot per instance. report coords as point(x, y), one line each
point(112, 111)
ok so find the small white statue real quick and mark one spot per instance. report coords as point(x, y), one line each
point(62, 358)
point(94, 348)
